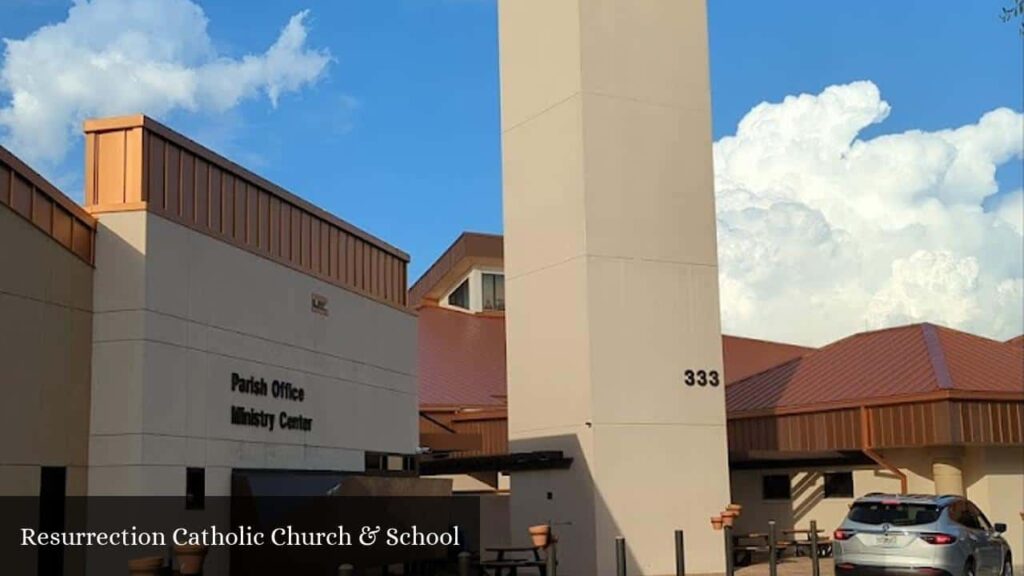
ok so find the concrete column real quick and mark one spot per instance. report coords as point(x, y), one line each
point(612, 278)
point(947, 473)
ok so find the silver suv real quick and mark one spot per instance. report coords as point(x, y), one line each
point(919, 534)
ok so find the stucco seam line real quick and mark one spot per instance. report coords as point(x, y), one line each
point(404, 308)
point(544, 267)
point(219, 439)
point(46, 302)
point(652, 104)
point(253, 336)
point(568, 427)
point(540, 113)
point(652, 260)
point(260, 362)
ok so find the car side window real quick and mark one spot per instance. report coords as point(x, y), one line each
point(982, 521)
point(966, 517)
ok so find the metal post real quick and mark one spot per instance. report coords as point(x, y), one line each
point(773, 551)
point(465, 559)
point(815, 564)
point(620, 556)
point(346, 570)
point(680, 554)
point(552, 556)
point(729, 568)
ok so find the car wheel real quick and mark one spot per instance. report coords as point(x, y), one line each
point(1007, 567)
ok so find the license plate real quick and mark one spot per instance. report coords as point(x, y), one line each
point(886, 541)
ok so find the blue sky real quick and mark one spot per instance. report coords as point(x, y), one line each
point(400, 134)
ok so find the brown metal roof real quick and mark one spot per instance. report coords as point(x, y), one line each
point(744, 357)
point(461, 358)
point(907, 361)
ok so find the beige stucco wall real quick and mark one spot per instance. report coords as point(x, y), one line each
point(45, 328)
point(993, 479)
point(177, 312)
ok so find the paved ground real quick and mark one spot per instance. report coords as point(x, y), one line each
point(788, 567)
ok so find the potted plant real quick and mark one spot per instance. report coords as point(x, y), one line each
point(148, 566)
point(716, 522)
point(190, 558)
point(737, 508)
point(728, 517)
point(540, 535)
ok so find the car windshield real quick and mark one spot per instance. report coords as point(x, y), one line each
point(897, 514)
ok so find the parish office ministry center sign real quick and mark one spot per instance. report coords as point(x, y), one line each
point(278, 389)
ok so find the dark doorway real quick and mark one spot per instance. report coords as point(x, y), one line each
point(52, 488)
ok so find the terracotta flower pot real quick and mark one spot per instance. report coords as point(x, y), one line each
point(148, 566)
point(190, 558)
point(540, 535)
point(728, 519)
point(737, 508)
point(716, 522)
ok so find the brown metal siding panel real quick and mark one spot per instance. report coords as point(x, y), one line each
point(274, 241)
point(264, 212)
point(21, 196)
point(239, 209)
point(314, 245)
point(136, 162)
point(216, 202)
point(304, 239)
point(172, 178)
point(155, 178)
point(296, 229)
point(332, 252)
point(82, 241)
point(133, 166)
point(188, 188)
point(350, 260)
point(202, 185)
point(110, 155)
point(90, 172)
point(42, 211)
point(62, 226)
point(227, 195)
point(252, 221)
point(325, 249)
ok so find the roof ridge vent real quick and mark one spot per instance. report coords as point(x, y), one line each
point(937, 356)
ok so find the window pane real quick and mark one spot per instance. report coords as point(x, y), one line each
point(839, 485)
point(776, 487)
point(494, 291)
point(899, 514)
point(460, 297)
point(488, 291)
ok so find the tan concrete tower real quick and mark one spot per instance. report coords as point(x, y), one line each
point(612, 278)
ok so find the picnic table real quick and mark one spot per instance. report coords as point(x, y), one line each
point(745, 545)
point(824, 544)
point(507, 560)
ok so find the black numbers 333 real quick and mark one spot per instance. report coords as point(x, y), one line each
point(701, 377)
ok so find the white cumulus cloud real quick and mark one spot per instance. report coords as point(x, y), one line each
point(822, 234)
point(111, 57)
